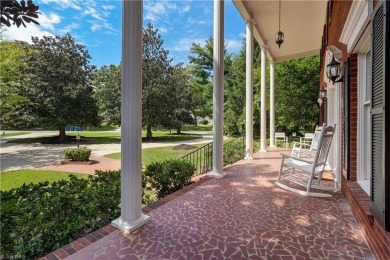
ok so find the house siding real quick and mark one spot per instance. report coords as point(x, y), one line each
point(376, 237)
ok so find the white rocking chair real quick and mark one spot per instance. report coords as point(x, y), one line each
point(293, 168)
point(305, 150)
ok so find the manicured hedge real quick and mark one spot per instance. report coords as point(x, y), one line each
point(38, 218)
point(168, 176)
point(77, 154)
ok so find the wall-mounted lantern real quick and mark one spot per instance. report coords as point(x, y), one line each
point(333, 71)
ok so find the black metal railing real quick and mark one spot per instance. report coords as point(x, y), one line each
point(202, 158)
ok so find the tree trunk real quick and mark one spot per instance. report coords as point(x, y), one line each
point(149, 132)
point(178, 130)
point(195, 120)
point(62, 134)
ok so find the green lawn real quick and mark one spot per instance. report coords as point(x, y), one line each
point(103, 127)
point(91, 137)
point(13, 134)
point(197, 128)
point(158, 154)
point(14, 179)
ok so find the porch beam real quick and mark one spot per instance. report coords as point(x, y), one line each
point(218, 88)
point(263, 108)
point(131, 109)
point(249, 91)
point(272, 103)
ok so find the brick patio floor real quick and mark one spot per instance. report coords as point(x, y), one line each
point(242, 216)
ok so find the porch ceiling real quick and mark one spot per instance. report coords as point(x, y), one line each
point(301, 22)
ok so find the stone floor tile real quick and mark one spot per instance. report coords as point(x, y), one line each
point(241, 216)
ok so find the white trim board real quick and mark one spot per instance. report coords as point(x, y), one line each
point(357, 20)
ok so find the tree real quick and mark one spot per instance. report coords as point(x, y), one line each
point(235, 91)
point(18, 13)
point(234, 95)
point(107, 82)
point(181, 98)
point(165, 92)
point(60, 83)
point(157, 93)
point(201, 62)
point(296, 94)
point(15, 106)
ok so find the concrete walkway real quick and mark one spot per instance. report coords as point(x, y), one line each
point(21, 156)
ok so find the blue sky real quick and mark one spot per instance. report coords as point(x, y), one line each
point(97, 25)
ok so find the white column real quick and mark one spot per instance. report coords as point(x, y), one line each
point(249, 91)
point(218, 74)
point(272, 103)
point(263, 108)
point(131, 126)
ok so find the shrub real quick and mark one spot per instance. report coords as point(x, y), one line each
point(168, 176)
point(77, 154)
point(204, 122)
point(38, 218)
point(233, 151)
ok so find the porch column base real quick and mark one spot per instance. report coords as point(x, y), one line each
point(248, 157)
point(129, 226)
point(272, 146)
point(262, 151)
point(217, 175)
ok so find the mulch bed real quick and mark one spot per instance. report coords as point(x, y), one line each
point(184, 147)
point(80, 162)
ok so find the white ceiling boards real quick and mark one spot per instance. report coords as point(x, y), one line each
point(302, 23)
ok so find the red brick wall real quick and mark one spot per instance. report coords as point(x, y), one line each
point(376, 237)
point(353, 119)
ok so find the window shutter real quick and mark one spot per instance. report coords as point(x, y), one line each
point(380, 125)
point(347, 66)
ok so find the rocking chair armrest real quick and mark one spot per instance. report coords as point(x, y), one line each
point(295, 158)
point(296, 145)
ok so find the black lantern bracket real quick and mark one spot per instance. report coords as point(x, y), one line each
point(333, 68)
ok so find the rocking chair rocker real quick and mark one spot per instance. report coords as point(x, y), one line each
point(294, 167)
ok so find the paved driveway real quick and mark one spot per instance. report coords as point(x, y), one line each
point(19, 156)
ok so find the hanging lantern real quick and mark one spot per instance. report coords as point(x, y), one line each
point(333, 70)
point(279, 37)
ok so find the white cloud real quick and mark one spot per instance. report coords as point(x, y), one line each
point(162, 30)
point(161, 11)
point(184, 44)
point(95, 9)
point(191, 21)
point(63, 4)
point(108, 7)
point(49, 21)
point(68, 28)
point(185, 9)
point(233, 45)
point(47, 28)
point(154, 11)
point(96, 26)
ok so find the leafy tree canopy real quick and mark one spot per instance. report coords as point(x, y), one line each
point(165, 93)
point(15, 105)
point(296, 94)
point(201, 67)
point(60, 83)
point(18, 12)
point(107, 82)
